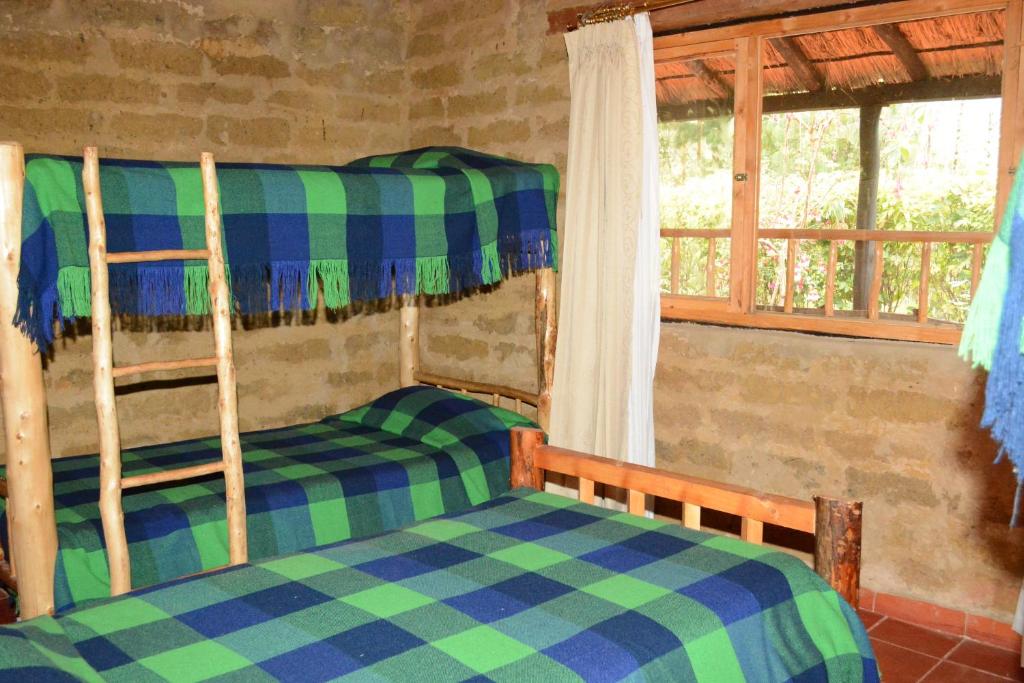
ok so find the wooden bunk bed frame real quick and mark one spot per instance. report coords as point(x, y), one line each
point(28, 486)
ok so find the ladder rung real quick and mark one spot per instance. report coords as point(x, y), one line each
point(159, 255)
point(176, 474)
point(157, 365)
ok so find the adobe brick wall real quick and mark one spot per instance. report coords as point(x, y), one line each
point(284, 81)
point(891, 423)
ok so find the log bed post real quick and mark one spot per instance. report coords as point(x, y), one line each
point(837, 541)
point(524, 443)
point(409, 341)
point(547, 334)
point(26, 434)
point(227, 390)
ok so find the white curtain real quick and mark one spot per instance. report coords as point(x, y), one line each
point(647, 290)
point(602, 398)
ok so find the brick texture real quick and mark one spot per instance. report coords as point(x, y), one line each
point(168, 79)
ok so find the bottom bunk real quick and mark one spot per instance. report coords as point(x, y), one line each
point(410, 455)
point(527, 586)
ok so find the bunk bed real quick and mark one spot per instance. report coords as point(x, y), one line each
point(528, 586)
point(430, 221)
point(520, 585)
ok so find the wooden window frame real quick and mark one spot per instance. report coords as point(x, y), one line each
point(745, 42)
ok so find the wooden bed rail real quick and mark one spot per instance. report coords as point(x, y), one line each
point(836, 524)
point(546, 329)
point(496, 391)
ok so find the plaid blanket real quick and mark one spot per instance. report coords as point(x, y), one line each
point(527, 587)
point(433, 220)
point(411, 454)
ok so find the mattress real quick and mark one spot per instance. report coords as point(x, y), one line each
point(410, 455)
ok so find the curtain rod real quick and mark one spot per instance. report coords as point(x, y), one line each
point(601, 15)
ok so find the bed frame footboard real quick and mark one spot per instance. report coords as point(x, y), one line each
point(835, 524)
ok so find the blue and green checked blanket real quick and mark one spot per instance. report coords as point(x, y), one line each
point(412, 454)
point(435, 220)
point(527, 587)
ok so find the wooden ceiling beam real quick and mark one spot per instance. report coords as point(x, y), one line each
point(806, 73)
point(702, 13)
point(709, 77)
point(965, 87)
point(893, 37)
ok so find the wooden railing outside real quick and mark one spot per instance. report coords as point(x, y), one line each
point(871, 323)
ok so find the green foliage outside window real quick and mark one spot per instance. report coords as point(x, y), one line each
point(937, 173)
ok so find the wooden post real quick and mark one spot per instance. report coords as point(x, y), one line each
point(524, 442)
point(673, 286)
point(875, 290)
point(830, 279)
point(111, 510)
point(26, 434)
point(586, 490)
point(227, 398)
point(922, 292)
point(409, 341)
point(636, 502)
point(710, 268)
point(867, 204)
point(752, 530)
point(976, 252)
point(691, 516)
point(790, 274)
point(837, 532)
point(547, 334)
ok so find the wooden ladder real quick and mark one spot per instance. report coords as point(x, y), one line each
point(112, 483)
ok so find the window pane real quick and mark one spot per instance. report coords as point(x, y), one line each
point(889, 128)
point(695, 109)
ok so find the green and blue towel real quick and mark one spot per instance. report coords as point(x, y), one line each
point(993, 337)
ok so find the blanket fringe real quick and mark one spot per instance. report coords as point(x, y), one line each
point(182, 289)
point(333, 273)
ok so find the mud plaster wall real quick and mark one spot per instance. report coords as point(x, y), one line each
point(893, 424)
point(283, 81)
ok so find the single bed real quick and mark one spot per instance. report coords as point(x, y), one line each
point(411, 454)
point(526, 587)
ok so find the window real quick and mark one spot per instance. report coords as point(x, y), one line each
point(838, 172)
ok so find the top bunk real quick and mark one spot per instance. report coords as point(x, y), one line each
point(436, 220)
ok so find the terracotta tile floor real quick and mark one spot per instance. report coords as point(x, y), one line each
point(907, 654)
